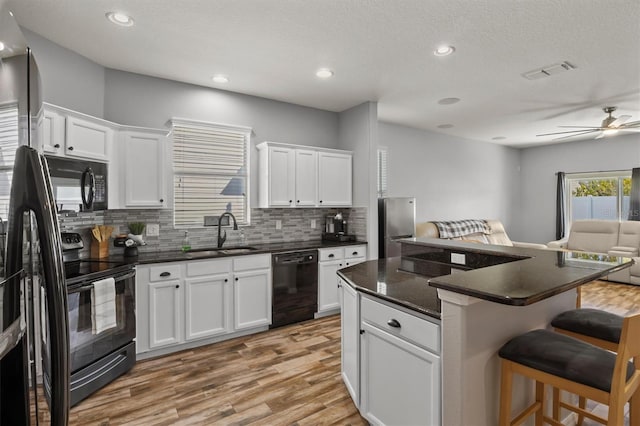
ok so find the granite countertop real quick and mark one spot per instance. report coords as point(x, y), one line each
point(508, 275)
point(383, 279)
point(524, 276)
point(178, 256)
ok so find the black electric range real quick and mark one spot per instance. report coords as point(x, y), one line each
point(88, 270)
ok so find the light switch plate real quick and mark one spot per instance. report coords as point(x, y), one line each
point(278, 224)
point(153, 230)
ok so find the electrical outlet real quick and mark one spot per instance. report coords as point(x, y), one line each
point(278, 224)
point(153, 230)
point(458, 258)
point(313, 224)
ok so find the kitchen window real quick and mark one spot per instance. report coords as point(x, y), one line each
point(211, 173)
point(600, 195)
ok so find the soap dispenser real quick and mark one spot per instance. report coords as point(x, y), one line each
point(186, 246)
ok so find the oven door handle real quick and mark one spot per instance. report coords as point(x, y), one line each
point(80, 289)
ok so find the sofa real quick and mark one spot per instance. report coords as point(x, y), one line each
point(493, 234)
point(606, 237)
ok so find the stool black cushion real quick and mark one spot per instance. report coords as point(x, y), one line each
point(565, 357)
point(591, 322)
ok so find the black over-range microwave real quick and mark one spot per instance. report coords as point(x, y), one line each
point(78, 185)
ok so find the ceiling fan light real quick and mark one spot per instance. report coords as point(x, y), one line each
point(609, 132)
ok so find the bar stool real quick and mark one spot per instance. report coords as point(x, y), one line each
point(575, 366)
point(593, 326)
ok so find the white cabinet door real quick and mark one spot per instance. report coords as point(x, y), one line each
point(306, 180)
point(252, 298)
point(86, 139)
point(165, 311)
point(143, 182)
point(328, 285)
point(205, 306)
point(281, 175)
point(52, 133)
point(350, 334)
point(400, 381)
point(334, 179)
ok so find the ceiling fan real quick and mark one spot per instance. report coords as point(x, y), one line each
point(610, 125)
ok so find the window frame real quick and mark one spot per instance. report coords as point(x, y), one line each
point(245, 131)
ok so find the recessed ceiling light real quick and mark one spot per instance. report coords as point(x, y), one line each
point(445, 126)
point(219, 78)
point(324, 73)
point(1, 46)
point(448, 101)
point(444, 50)
point(10, 13)
point(120, 19)
point(498, 138)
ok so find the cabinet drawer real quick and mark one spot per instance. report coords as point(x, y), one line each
point(164, 272)
point(331, 254)
point(417, 330)
point(208, 267)
point(246, 263)
point(355, 251)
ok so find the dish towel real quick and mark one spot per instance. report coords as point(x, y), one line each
point(103, 305)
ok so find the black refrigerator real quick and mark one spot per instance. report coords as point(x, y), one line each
point(34, 339)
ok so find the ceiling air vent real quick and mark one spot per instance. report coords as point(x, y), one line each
point(549, 70)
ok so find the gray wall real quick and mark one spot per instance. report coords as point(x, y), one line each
point(537, 210)
point(451, 178)
point(68, 79)
point(358, 132)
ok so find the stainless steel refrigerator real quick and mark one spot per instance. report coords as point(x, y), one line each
point(396, 220)
point(34, 339)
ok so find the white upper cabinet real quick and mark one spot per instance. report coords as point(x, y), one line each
point(143, 168)
point(293, 176)
point(334, 179)
point(72, 134)
point(88, 139)
point(306, 178)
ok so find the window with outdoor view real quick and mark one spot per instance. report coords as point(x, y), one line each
point(603, 195)
point(211, 176)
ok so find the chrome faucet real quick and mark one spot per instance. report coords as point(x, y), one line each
point(223, 238)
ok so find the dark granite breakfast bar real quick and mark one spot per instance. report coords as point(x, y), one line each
point(483, 295)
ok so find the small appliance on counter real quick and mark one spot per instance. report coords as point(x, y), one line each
point(336, 229)
point(130, 244)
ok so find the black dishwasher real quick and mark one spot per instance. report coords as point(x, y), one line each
point(295, 287)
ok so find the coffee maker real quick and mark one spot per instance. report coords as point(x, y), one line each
point(336, 229)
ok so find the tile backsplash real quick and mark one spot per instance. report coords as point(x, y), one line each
point(296, 226)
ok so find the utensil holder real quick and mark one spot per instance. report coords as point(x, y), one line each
point(99, 249)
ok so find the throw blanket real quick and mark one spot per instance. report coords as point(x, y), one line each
point(460, 228)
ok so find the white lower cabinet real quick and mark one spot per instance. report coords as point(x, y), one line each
point(399, 366)
point(252, 295)
point(350, 337)
point(165, 312)
point(181, 302)
point(205, 306)
point(329, 261)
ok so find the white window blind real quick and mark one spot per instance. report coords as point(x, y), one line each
point(211, 175)
point(382, 172)
point(8, 145)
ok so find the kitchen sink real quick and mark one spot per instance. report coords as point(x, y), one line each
point(209, 252)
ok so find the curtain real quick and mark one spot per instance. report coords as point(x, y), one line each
point(634, 202)
point(560, 207)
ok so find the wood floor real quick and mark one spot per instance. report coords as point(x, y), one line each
point(286, 376)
